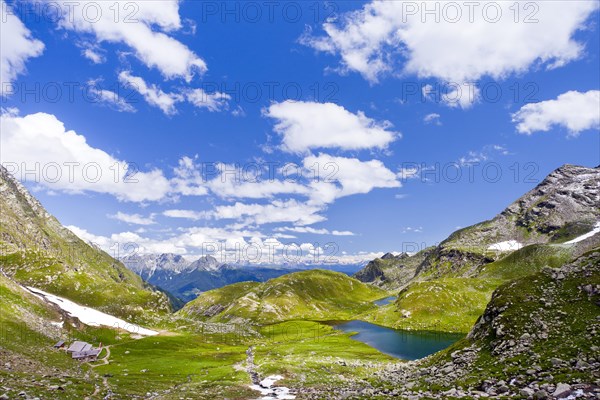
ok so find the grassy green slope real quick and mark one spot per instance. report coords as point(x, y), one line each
point(213, 366)
point(27, 362)
point(36, 250)
point(526, 261)
point(536, 329)
point(454, 304)
point(444, 305)
point(315, 294)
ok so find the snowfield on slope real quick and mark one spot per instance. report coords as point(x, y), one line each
point(509, 245)
point(587, 235)
point(90, 316)
point(268, 392)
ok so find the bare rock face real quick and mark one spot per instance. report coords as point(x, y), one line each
point(146, 265)
point(392, 271)
point(568, 195)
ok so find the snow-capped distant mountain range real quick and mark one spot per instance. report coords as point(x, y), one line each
point(186, 278)
point(148, 264)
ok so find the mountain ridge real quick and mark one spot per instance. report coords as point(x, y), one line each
point(38, 251)
point(562, 206)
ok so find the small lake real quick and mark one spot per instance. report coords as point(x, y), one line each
point(407, 345)
point(386, 301)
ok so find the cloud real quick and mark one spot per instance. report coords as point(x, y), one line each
point(227, 245)
point(151, 93)
point(167, 101)
point(186, 214)
point(473, 157)
point(386, 37)
point(63, 160)
point(314, 231)
point(501, 149)
point(17, 46)
point(187, 180)
point(340, 176)
point(572, 110)
point(108, 98)
point(277, 211)
point(93, 52)
point(463, 95)
point(143, 26)
point(231, 181)
point(212, 102)
point(292, 211)
point(432, 118)
point(409, 172)
point(485, 154)
point(308, 125)
point(234, 181)
point(135, 219)
point(321, 180)
point(410, 229)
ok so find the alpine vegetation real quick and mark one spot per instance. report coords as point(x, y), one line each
point(299, 200)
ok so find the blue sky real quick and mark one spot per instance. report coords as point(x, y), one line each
point(359, 91)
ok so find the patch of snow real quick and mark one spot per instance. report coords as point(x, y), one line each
point(90, 316)
point(268, 392)
point(587, 235)
point(509, 245)
point(59, 324)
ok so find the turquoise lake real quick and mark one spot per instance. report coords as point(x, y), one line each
point(406, 345)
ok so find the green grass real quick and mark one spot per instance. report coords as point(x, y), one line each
point(570, 317)
point(453, 304)
point(526, 261)
point(205, 366)
point(186, 362)
point(443, 305)
point(315, 294)
point(26, 340)
point(308, 354)
point(36, 250)
point(104, 286)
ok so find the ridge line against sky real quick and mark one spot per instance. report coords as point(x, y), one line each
point(356, 130)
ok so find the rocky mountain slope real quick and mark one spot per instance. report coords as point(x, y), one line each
point(392, 271)
point(453, 282)
point(314, 294)
point(564, 205)
point(37, 251)
point(538, 337)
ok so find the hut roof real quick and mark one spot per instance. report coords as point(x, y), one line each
point(86, 353)
point(78, 346)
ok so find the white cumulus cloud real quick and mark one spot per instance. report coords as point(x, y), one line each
point(464, 44)
point(143, 26)
point(134, 219)
point(575, 111)
point(108, 98)
point(340, 176)
point(17, 46)
point(309, 125)
point(62, 159)
point(151, 93)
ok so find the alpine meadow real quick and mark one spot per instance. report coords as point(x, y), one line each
point(299, 199)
